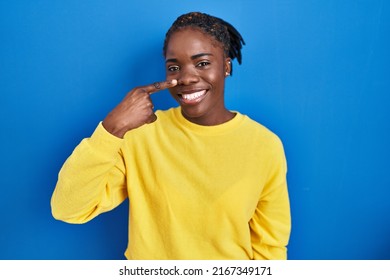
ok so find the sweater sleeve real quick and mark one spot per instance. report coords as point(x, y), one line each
point(92, 180)
point(271, 222)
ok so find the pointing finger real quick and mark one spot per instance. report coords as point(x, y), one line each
point(158, 86)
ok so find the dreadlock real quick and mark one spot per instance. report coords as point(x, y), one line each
point(219, 29)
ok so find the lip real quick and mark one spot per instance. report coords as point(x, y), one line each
point(192, 97)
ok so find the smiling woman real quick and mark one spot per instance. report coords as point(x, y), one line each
point(200, 66)
point(203, 182)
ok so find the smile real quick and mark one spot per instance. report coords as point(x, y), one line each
point(194, 97)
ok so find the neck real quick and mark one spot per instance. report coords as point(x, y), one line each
point(215, 119)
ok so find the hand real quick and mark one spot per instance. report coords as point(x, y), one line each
point(135, 109)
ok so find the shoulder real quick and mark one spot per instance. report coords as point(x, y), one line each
point(164, 117)
point(269, 143)
point(261, 132)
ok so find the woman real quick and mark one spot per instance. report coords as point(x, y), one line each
point(203, 182)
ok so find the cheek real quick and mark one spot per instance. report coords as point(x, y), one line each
point(171, 75)
point(216, 78)
point(173, 93)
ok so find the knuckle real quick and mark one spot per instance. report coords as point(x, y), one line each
point(140, 90)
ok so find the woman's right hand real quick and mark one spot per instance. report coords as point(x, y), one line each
point(135, 109)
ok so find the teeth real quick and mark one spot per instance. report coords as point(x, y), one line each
point(194, 95)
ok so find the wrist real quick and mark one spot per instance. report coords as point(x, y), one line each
point(118, 131)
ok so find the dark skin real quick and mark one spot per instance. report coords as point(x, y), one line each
point(196, 68)
point(135, 110)
point(198, 62)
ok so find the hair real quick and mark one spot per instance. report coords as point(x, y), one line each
point(222, 31)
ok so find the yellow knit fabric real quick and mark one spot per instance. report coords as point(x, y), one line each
point(195, 192)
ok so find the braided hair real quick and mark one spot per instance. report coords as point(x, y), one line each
point(219, 29)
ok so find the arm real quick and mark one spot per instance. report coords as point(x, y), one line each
point(271, 222)
point(92, 180)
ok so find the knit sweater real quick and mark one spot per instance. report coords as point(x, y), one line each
point(195, 192)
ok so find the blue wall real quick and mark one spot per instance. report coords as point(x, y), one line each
point(315, 72)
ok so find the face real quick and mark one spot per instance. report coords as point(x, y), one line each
point(197, 61)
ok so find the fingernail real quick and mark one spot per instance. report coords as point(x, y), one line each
point(174, 82)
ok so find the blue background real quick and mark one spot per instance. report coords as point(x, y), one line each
point(314, 72)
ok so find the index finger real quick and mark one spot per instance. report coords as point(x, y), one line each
point(158, 86)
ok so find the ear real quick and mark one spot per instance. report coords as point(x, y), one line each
point(228, 66)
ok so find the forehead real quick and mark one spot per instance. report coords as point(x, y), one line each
point(190, 41)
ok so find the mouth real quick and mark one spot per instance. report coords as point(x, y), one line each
point(192, 97)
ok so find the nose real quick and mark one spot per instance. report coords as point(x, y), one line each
point(188, 77)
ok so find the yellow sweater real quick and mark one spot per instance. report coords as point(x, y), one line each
point(195, 192)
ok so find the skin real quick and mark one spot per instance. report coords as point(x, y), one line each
point(198, 62)
point(195, 62)
point(135, 110)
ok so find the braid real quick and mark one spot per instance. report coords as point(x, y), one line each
point(230, 39)
point(236, 42)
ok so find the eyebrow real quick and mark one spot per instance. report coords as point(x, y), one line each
point(195, 56)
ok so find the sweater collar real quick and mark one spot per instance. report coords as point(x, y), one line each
point(225, 127)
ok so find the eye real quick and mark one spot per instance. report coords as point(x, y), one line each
point(173, 68)
point(203, 64)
